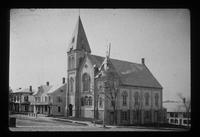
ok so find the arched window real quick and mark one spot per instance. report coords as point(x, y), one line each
point(86, 82)
point(69, 62)
point(156, 99)
point(146, 99)
point(136, 96)
point(86, 100)
point(90, 101)
point(72, 62)
point(100, 102)
point(82, 101)
point(124, 98)
point(71, 85)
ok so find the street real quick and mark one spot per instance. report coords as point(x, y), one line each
point(26, 123)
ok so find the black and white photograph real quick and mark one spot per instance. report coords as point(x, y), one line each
point(99, 70)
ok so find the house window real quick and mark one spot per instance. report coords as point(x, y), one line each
point(90, 101)
point(86, 82)
point(124, 98)
point(71, 85)
point(17, 98)
point(176, 121)
point(136, 97)
point(45, 98)
point(146, 99)
point(49, 98)
point(26, 98)
point(59, 109)
point(100, 102)
point(124, 115)
point(156, 99)
point(59, 99)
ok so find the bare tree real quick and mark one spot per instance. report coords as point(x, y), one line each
point(187, 106)
point(111, 94)
point(139, 107)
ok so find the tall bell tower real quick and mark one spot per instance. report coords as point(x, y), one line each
point(78, 47)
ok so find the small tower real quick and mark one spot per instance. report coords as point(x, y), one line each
point(78, 47)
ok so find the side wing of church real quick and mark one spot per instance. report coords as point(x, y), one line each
point(111, 90)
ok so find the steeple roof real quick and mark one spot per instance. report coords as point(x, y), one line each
point(79, 40)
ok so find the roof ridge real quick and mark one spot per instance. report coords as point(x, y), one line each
point(117, 59)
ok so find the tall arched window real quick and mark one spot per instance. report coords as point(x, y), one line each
point(69, 62)
point(72, 62)
point(100, 102)
point(146, 99)
point(86, 100)
point(71, 85)
point(136, 96)
point(90, 101)
point(82, 101)
point(86, 82)
point(124, 98)
point(156, 99)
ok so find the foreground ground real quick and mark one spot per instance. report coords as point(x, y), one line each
point(26, 123)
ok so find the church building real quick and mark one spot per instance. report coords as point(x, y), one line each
point(114, 91)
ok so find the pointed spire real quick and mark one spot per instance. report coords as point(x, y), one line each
point(79, 39)
point(79, 13)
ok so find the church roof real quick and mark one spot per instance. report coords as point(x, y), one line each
point(79, 40)
point(132, 74)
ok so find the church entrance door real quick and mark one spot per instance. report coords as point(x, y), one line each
point(70, 109)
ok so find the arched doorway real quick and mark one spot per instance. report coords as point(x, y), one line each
point(70, 109)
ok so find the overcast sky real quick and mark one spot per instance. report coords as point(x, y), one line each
point(39, 39)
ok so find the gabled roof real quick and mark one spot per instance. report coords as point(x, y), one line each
point(43, 90)
point(174, 106)
point(79, 40)
point(23, 90)
point(132, 74)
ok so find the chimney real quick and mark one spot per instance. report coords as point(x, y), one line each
point(30, 88)
point(63, 80)
point(47, 83)
point(143, 61)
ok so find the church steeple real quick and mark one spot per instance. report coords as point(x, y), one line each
point(79, 40)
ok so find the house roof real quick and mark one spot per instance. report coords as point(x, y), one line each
point(23, 90)
point(174, 106)
point(133, 74)
point(43, 90)
point(79, 40)
point(55, 88)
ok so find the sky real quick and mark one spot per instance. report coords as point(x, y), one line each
point(39, 40)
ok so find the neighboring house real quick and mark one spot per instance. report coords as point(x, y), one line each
point(21, 99)
point(176, 114)
point(139, 97)
point(50, 100)
point(41, 103)
point(58, 99)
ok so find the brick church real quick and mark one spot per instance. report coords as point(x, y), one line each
point(111, 90)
